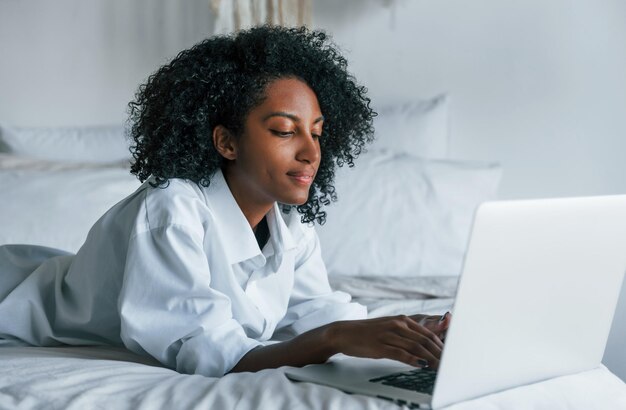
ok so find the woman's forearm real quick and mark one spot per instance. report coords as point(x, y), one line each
point(314, 346)
point(402, 338)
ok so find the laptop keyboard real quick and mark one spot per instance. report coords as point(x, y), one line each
point(419, 380)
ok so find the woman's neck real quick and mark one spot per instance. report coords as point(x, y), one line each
point(254, 211)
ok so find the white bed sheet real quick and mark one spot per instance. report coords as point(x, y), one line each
point(112, 378)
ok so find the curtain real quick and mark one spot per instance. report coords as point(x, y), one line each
point(234, 15)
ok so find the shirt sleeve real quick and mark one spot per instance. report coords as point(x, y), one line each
point(312, 302)
point(169, 310)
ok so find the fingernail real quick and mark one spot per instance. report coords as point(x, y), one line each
point(443, 317)
point(422, 362)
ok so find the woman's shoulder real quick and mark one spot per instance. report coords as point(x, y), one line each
point(175, 187)
point(178, 202)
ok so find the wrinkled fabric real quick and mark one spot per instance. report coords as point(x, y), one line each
point(103, 377)
point(175, 274)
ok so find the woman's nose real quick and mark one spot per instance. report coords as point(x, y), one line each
point(309, 150)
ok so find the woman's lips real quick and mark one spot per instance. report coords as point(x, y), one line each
point(302, 179)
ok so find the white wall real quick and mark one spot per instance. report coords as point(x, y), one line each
point(79, 62)
point(538, 85)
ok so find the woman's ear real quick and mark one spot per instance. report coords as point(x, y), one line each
point(224, 142)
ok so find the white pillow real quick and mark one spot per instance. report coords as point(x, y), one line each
point(418, 128)
point(399, 215)
point(76, 144)
point(56, 208)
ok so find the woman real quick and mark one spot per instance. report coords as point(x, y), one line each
point(236, 141)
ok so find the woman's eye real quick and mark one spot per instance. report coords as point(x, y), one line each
point(316, 136)
point(283, 133)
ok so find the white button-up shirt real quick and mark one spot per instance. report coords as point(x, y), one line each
point(175, 273)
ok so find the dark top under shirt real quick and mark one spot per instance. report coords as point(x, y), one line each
point(262, 233)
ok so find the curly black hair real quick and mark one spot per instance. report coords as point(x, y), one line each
point(219, 80)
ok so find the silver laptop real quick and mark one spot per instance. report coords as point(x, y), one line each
point(540, 282)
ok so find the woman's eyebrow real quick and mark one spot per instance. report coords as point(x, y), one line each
point(290, 116)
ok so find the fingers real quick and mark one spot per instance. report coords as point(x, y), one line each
point(416, 351)
point(420, 331)
point(437, 324)
point(445, 320)
point(445, 324)
point(416, 340)
point(402, 355)
point(397, 337)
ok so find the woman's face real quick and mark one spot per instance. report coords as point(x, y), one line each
point(278, 154)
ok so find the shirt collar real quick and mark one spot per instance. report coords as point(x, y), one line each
point(233, 228)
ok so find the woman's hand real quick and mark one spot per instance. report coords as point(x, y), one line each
point(399, 338)
point(436, 324)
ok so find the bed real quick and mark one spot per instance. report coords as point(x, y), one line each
point(406, 259)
